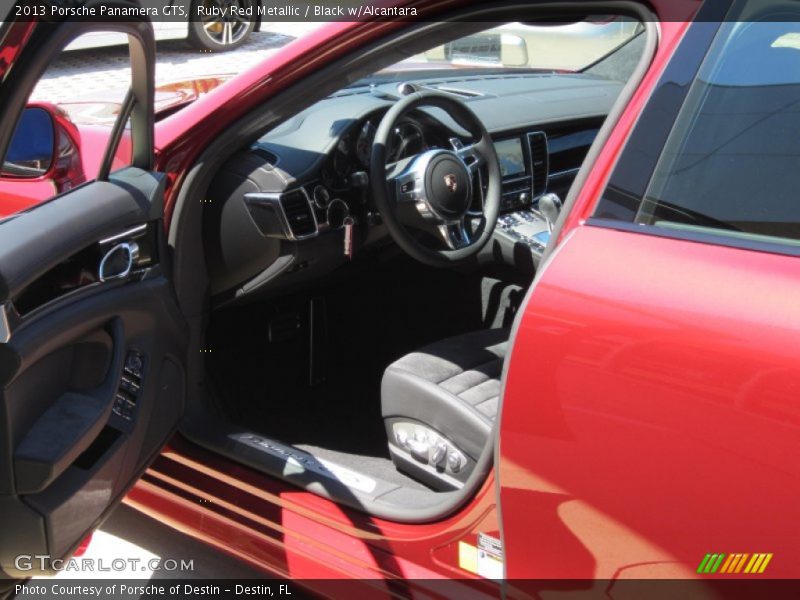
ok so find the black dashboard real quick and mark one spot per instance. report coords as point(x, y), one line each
point(277, 209)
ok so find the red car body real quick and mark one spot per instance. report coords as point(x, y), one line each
point(646, 420)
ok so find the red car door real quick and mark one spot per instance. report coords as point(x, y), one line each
point(651, 418)
point(92, 344)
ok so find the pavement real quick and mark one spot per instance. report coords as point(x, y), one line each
point(104, 73)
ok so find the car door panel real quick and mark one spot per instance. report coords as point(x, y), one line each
point(111, 457)
point(71, 451)
point(92, 342)
point(664, 413)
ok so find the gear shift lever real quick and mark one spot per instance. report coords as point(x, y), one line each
point(549, 206)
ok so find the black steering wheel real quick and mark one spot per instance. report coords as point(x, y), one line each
point(434, 190)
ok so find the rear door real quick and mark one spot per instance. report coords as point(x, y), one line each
point(92, 344)
point(658, 435)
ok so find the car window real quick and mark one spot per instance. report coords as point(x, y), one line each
point(65, 129)
point(569, 47)
point(731, 162)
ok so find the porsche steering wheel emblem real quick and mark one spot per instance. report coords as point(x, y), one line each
point(451, 182)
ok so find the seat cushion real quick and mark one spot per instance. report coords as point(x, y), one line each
point(452, 385)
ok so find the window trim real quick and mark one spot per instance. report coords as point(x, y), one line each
point(699, 237)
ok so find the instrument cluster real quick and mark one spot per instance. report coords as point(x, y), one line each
point(349, 161)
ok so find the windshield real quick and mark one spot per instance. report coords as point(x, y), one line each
point(518, 47)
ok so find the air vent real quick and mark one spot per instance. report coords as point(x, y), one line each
point(539, 162)
point(458, 92)
point(299, 214)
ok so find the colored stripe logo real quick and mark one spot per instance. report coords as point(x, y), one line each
point(749, 564)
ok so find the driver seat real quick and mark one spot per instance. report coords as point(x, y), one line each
point(439, 405)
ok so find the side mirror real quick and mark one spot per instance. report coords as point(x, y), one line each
point(33, 147)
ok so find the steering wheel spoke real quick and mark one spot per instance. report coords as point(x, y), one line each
point(455, 234)
point(402, 181)
point(406, 187)
point(470, 155)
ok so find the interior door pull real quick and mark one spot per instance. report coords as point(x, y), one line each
point(118, 262)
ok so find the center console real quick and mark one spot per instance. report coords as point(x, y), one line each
point(528, 227)
point(525, 170)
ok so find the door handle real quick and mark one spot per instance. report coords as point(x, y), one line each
point(118, 262)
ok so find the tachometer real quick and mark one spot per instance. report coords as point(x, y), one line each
point(406, 140)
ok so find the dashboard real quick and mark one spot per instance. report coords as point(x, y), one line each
point(296, 203)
